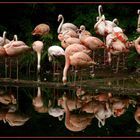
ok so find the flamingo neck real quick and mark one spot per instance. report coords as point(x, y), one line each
point(38, 62)
point(138, 24)
point(15, 38)
point(60, 25)
point(115, 21)
point(4, 37)
point(67, 112)
point(99, 21)
point(39, 92)
point(65, 70)
point(99, 11)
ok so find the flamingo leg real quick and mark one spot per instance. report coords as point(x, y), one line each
point(123, 61)
point(38, 66)
point(10, 71)
point(92, 67)
point(17, 68)
point(6, 66)
point(117, 65)
point(104, 40)
point(75, 75)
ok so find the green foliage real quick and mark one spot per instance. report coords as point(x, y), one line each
point(133, 59)
point(23, 18)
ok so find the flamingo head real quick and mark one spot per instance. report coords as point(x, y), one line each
point(38, 46)
point(64, 79)
point(59, 17)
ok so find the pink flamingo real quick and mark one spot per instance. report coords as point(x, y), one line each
point(90, 41)
point(38, 48)
point(117, 43)
point(137, 45)
point(101, 110)
point(65, 26)
point(7, 99)
point(16, 118)
point(41, 29)
point(137, 115)
point(119, 106)
point(15, 48)
point(103, 26)
point(83, 29)
point(66, 34)
point(71, 38)
point(76, 122)
point(38, 100)
point(69, 51)
point(68, 41)
point(3, 41)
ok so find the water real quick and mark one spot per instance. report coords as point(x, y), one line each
point(97, 107)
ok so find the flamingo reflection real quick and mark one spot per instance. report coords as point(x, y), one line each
point(10, 112)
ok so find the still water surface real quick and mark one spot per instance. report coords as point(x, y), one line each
point(92, 108)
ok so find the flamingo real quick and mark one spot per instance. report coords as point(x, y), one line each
point(137, 115)
point(76, 122)
point(38, 100)
point(55, 51)
point(90, 41)
point(66, 34)
point(65, 26)
point(100, 9)
point(101, 110)
point(68, 41)
point(16, 118)
point(68, 37)
point(69, 51)
point(7, 99)
point(119, 106)
point(117, 43)
point(38, 48)
point(41, 29)
point(55, 111)
point(103, 97)
point(3, 41)
point(137, 45)
point(72, 103)
point(81, 59)
point(103, 26)
point(83, 29)
point(15, 48)
point(15, 38)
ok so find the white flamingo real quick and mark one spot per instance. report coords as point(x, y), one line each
point(65, 26)
point(53, 52)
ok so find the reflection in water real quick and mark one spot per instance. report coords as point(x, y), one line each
point(76, 111)
point(76, 121)
point(10, 112)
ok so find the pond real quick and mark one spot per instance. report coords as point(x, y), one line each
point(98, 106)
point(53, 97)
